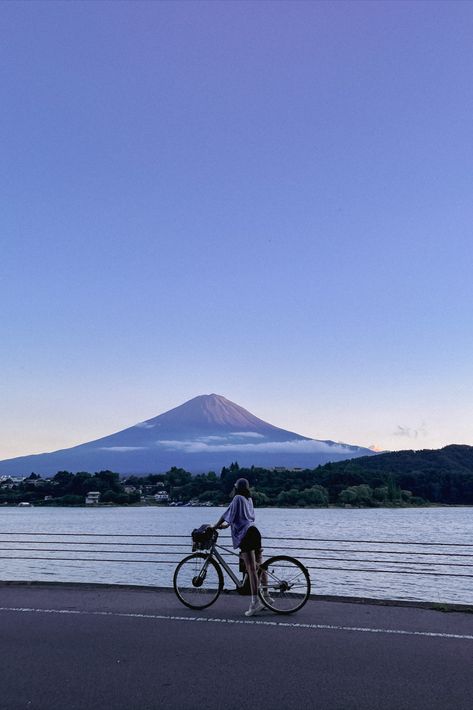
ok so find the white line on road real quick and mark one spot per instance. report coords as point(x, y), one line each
point(247, 622)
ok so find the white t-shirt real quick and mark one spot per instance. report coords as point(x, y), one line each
point(241, 515)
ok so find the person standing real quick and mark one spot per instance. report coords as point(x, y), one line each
point(240, 516)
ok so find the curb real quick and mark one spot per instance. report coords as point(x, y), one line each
point(434, 606)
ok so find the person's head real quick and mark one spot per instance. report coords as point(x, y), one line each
point(242, 488)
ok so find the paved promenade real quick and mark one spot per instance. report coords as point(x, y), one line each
point(115, 648)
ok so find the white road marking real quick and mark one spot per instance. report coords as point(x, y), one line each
point(248, 622)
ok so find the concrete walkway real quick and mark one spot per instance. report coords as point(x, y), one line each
point(89, 648)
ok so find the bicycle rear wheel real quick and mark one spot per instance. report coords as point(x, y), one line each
point(198, 581)
point(288, 584)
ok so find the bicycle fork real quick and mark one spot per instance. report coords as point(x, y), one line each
point(198, 579)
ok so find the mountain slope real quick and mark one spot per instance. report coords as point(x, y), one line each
point(453, 459)
point(437, 475)
point(203, 434)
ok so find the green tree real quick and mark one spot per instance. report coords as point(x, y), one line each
point(178, 477)
point(260, 499)
point(290, 498)
point(316, 495)
point(357, 495)
point(109, 497)
point(347, 496)
point(62, 479)
point(380, 494)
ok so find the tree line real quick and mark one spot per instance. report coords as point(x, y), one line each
point(404, 478)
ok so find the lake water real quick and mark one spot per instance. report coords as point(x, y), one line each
point(375, 553)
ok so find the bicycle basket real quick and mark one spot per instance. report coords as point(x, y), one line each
point(203, 537)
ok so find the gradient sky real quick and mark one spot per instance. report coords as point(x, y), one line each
point(267, 200)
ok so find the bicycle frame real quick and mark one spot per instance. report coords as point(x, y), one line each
point(215, 554)
point(284, 584)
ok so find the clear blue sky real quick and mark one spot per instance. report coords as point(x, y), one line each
point(267, 200)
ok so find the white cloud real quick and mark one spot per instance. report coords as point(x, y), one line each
point(410, 433)
point(375, 447)
point(122, 448)
point(209, 439)
point(241, 434)
point(302, 446)
point(144, 425)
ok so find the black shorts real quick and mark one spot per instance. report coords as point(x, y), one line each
point(251, 540)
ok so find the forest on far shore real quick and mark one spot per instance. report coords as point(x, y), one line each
point(404, 478)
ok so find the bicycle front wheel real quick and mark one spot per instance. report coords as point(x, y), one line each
point(285, 584)
point(198, 581)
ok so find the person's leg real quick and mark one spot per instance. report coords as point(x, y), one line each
point(250, 562)
point(262, 576)
point(256, 604)
point(259, 561)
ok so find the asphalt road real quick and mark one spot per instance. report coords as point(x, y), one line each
point(66, 647)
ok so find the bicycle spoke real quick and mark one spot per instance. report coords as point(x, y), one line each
point(288, 584)
point(197, 581)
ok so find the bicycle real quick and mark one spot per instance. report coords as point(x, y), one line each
point(198, 579)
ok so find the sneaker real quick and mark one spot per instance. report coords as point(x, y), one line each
point(255, 607)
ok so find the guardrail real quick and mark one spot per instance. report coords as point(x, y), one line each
point(282, 546)
point(440, 571)
point(43, 553)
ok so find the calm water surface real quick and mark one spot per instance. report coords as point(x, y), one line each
point(349, 552)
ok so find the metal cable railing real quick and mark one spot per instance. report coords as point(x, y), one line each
point(92, 550)
point(358, 568)
point(300, 557)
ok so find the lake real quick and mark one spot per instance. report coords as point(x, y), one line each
point(374, 553)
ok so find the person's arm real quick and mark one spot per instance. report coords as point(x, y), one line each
point(221, 525)
point(225, 520)
point(221, 522)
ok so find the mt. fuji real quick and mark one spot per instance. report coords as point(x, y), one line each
point(203, 434)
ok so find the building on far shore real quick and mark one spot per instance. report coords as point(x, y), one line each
point(92, 498)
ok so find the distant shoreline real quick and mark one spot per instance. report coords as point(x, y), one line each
point(223, 505)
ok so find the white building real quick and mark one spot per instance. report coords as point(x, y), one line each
point(161, 497)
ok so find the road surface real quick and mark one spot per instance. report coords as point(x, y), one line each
point(84, 648)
